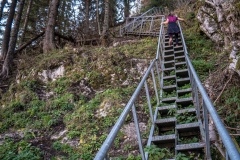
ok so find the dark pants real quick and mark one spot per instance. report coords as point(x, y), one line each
point(176, 37)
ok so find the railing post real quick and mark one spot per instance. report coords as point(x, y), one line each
point(149, 101)
point(138, 132)
point(141, 26)
point(151, 24)
point(155, 87)
point(158, 72)
point(120, 31)
point(206, 128)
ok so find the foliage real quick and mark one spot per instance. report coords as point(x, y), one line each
point(169, 82)
point(230, 99)
point(185, 117)
point(187, 95)
point(188, 140)
point(157, 153)
point(169, 132)
point(183, 107)
point(185, 86)
point(162, 4)
point(42, 106)
point(19, 150)
point(168, 95)
point(172, 111)
point(191, 156)
point(201, 51)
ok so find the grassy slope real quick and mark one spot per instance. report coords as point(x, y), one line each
point(211, 63)
point(27, 109)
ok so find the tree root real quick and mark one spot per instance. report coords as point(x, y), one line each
point(223, 89)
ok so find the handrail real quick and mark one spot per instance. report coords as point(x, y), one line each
point(159, 40)
point(137, 18)
point(112, 135)
point(227, 141)
point(102, 153)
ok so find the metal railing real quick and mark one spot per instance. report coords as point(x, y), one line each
point(152, 74)
point(208, 110)
point(199, 93)
point(136, 22)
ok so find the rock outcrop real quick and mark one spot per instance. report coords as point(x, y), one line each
point(220, 22)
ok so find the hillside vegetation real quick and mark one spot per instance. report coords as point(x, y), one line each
point(69, 116)
point(34, 109)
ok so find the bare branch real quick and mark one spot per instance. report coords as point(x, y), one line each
point(29, 42)
point(210, 3)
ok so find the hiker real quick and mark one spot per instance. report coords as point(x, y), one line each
point(173, 28)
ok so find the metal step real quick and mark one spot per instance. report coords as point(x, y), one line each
point(169, 58)
point(191, 146)
point(169, 77)
point(183, 81)
point(169, 100)
point(183, 73)
point(168, 52)
point(179, 53)
point(179, 47)
point(188, 127)
point(170, 89)
point(169, 64)
point(165, 122)
point(180, 59)
point(164, 139)
point(186, 110)
point(183, 92)
point(165, 109)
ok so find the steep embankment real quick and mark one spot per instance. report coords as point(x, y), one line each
point(213, 62)
point(62, 104)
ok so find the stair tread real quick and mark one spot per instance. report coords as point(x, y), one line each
point(183, 79)
point(172, 50)
point(187, 125)
point(170, 86)
point(169, 61)
point(166, 107)
point(181, 70)
point(180, 51)
point(170, 98)
point(167, 56)
point(178, 57)
point(184, 90)
point(199, 145)
point(186, 110)
point(169, 77)
point(184, 99)
point(180, 63)
point(165, 120)
point(164, 138)
point(168, 69)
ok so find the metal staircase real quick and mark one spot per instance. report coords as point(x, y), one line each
point(146, 24)
point(180, 119)
point(176, 113)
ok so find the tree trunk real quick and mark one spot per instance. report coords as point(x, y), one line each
point(87, 16)
point(2, 7)
point(26, 22)
point(48, 43)
point(111, 13)
point(104, 36)
point(126, 8)
point(13, 40)
point(97, 17)
point(8, 28)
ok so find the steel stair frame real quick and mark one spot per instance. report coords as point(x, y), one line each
point(138, 22)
